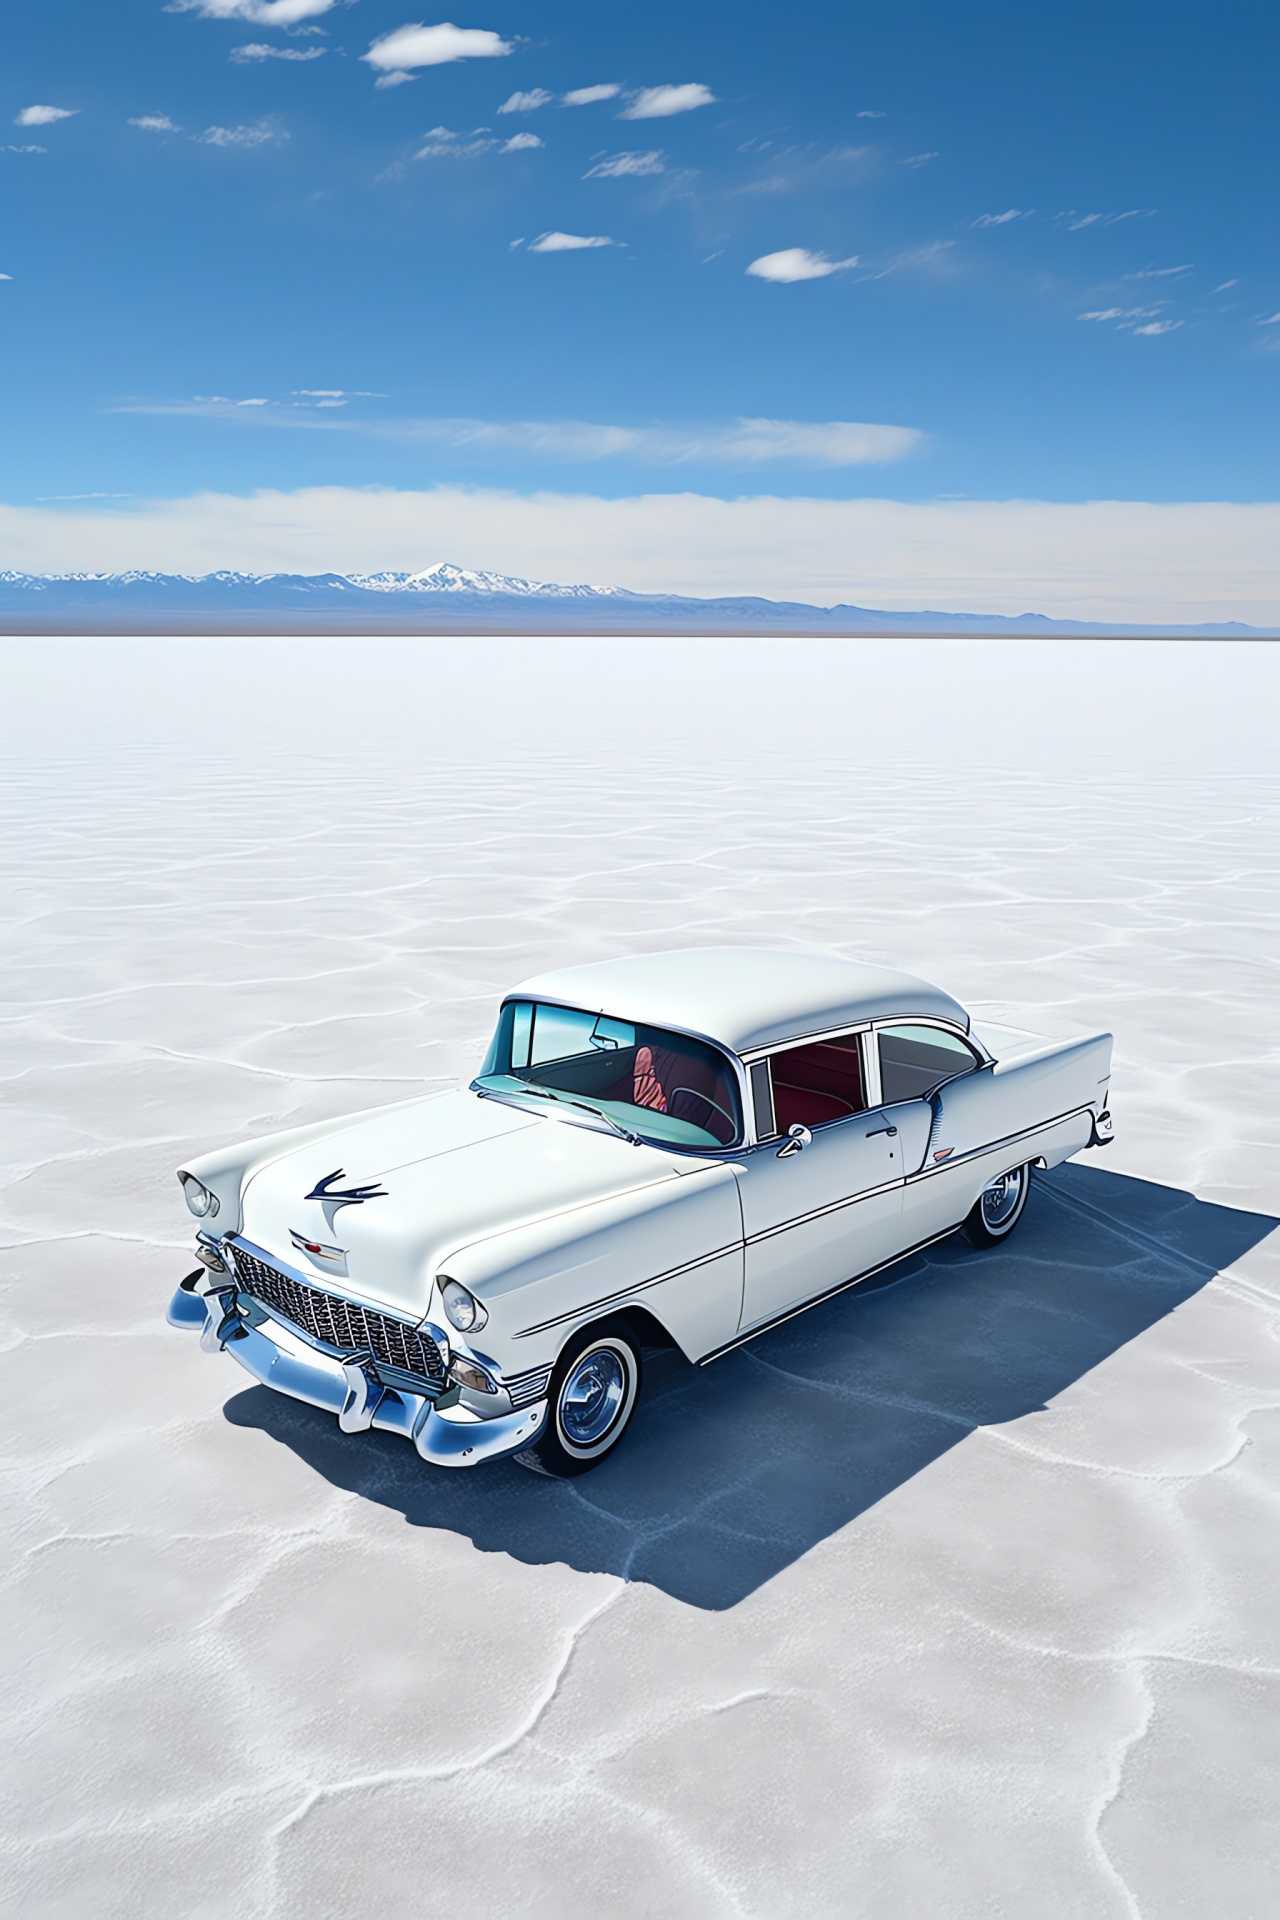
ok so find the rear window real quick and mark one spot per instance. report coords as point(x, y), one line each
point(915, 1060)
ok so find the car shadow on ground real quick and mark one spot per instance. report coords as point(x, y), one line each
point(731, 1472)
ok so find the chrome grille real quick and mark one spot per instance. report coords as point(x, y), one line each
point(342, 1323)
point(525, 1388)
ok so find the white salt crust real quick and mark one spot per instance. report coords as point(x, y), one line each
point(957, 1599)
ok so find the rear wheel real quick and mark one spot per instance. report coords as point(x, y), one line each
point(999, 1207)
point(592, 1394)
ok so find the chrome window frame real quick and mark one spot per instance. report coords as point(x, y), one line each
point(866, 1031)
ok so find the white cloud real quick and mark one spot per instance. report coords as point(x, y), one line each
point(1226, 285)
point(1159, 273)
point(259, 50)
point(527, 102)
point(259, 13)
point(395, 79)
point(441, 144)
point(261, 133)
point(6, 276)
point(1159, 326)
point(569, 242)
point(44, 116)
point(1126, 316)
point(1167, 562)
point(587, 96)
point(999, 219)
point(1074, 222)
point(738, 443)
point(1272, 320)
point(419, 46)
point(13, 149)
point(656, 103)
point(797, 263)
point(618, 165)
point(156, 123)
point(918, 159)
point(869, 113)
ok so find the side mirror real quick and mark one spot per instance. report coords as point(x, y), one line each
point(798, 1138)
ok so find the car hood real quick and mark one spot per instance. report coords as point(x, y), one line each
point(438, 1174)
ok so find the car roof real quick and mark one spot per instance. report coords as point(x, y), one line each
point(744, 997)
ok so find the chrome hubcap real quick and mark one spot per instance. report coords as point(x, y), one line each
point(1000, 1199)
point(592, 1397)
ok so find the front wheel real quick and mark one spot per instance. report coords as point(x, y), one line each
point(592, 1394)
point(999, 1207)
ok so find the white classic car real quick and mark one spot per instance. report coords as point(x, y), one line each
point(677, 1148)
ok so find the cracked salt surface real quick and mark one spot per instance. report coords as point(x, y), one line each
point(954, 1597)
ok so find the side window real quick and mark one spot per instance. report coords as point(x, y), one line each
point(816, 1084)
point(915, 1060)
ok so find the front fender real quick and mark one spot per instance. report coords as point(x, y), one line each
point(674, 1248)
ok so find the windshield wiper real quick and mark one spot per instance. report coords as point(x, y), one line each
point(566, 1100)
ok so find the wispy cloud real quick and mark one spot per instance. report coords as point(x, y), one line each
point(259, 50)
point(6, 276)
point(1270, 320)
point(44, 116)
point(570, 242)
point(156, 123)
point(793, 169)
point(1002, 219)
point(1226, 286)
point(259, 13)
point(1158, 273)
point(260, 133)
point(442, 144)
point(1127, 318)
point(1074, 222)
point(918, 159)
point(527, 102)
point(418, 46)
point(797, 263)
point(658, 103)
point(871, 113)
point(619, 165)
point(587, 96)
point(13, 149)
point(736, 443)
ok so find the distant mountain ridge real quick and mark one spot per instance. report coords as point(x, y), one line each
point(444, 598)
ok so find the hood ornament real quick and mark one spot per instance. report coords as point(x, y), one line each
point(333, 1198)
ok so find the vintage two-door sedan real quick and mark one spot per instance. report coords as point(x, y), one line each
point(677, 1148)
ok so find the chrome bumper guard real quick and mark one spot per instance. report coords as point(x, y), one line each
point(450, 1436)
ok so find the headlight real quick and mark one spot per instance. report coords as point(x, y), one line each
point(198, 1196)
point(462, 1308)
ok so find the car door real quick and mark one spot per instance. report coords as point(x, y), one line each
point(821, 1207)
point(914, 1060)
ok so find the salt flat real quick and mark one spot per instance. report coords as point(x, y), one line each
point(953, 1599)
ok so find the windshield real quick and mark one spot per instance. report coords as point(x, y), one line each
point(644, 1080)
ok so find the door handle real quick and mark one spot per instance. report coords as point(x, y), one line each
point(891, 1131)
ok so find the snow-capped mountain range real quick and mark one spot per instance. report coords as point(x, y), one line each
point(441, 578)
point(447, 599)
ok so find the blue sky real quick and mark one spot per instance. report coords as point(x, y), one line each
point(232, 209)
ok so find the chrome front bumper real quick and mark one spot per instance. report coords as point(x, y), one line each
point(451, 1436)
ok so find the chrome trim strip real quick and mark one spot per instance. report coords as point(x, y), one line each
point(625, 1293)
point(764, 1326)
point(818, 1213)
point(994, 1146)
